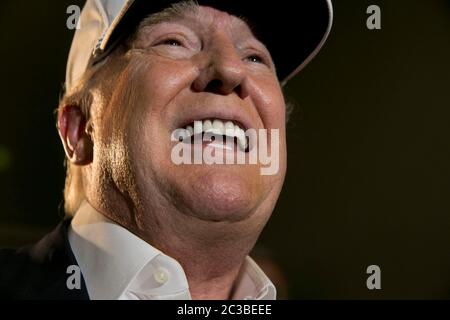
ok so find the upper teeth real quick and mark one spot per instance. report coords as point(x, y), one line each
point(219, 128)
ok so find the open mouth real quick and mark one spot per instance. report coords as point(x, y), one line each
point(216, 133)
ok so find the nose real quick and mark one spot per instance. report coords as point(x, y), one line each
point(223, 72)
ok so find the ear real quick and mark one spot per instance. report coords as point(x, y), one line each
point(76, 140)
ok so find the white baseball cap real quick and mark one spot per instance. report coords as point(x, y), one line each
point(293, 31)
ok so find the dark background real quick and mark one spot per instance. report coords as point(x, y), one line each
point(369, 153)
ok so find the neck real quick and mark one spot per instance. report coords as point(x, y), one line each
point(205, 285)
point(211, 254)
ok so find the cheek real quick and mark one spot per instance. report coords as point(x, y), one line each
point(162, 79)
point(275, 111)
point(269, 101)
point(153, 84)
point(271, 108)
point(143, 92)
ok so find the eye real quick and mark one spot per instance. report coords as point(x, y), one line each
point(255, 58)
point(171, 42)
point(177, 45)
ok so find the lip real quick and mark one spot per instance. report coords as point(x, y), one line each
point(226, 113)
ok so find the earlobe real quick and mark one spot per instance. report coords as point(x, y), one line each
point(72, 131)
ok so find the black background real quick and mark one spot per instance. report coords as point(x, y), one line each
point(369, 155)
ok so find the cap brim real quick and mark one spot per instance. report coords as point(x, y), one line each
point(293, 31)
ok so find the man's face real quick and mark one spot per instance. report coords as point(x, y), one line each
point(201, 65)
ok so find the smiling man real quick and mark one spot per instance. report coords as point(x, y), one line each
point(140, 225)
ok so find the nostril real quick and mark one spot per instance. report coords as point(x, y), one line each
point(218, 87)
point(239, 91)
point(214, 86)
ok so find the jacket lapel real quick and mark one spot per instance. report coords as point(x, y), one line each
point(43, 271)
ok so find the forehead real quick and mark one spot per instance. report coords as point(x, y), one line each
point(215, 18)
point(204, 18)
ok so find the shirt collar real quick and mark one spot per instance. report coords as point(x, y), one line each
point(116, 264)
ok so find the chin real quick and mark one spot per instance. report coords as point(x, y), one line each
point(221, 193)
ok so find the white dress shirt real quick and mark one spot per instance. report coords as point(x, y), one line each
point(116, 264)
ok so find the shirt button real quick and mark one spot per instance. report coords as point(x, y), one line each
point(161, 275)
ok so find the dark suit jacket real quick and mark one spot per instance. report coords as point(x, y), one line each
point(39, 271)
